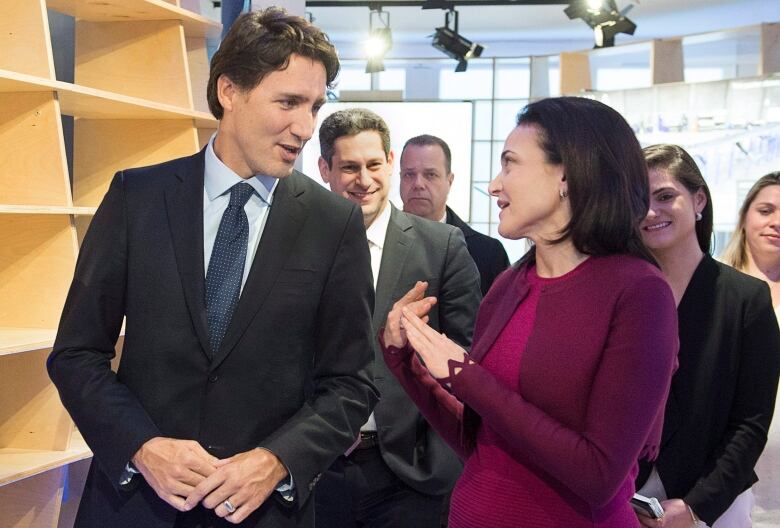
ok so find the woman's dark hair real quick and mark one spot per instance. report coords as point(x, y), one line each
point(604, 169)
point(677, 162)
point(262, 42)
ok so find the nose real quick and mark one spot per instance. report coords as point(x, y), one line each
point(418, 182)
point(651, 213)
point(303, 125)
point(494, 187)
point(364, 178)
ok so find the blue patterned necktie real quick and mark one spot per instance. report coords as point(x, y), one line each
point(226, 266)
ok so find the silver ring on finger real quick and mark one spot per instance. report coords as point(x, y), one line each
point(229, 506)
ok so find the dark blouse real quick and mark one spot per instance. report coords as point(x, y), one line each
point(723, 394)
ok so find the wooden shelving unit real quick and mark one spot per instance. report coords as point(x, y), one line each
point(138, 99)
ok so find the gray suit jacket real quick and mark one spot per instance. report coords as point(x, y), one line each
point(419, 249)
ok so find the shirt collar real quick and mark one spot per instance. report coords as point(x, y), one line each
point(219, 178)
point(377, 231)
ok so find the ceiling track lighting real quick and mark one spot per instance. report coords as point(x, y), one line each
point(453, 44)
point(604, 18)
point(379, 41)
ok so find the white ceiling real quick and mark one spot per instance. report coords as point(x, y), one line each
point(540, 27)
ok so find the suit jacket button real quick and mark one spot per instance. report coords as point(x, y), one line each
point(213, 378)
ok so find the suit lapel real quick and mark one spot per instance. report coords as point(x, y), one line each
point(285, 220)
point(184, 206)
point(398, 241)
point(498, 319)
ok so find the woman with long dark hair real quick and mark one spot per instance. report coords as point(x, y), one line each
point(574, 346)
point(722, 395)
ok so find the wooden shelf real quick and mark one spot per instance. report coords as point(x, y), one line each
point(46, 209)
point(81, 101)
point(18, 340)
point(18, 464)
point(137, 10)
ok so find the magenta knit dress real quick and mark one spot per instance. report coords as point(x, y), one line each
point(495, 487)
point(562, 391)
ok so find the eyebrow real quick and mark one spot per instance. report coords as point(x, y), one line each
point(665, 188)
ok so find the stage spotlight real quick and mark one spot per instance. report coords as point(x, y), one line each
point(454, 45)
point(379, 42)
point(603, 17)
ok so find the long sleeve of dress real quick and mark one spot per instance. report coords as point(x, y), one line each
point(442, 410)
point(630, 385)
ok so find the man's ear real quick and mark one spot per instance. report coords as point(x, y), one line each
point(324, 169)
point(226, 91)
point(450, 178)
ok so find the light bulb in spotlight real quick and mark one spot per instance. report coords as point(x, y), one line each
point(595, 5)
point(374, 46)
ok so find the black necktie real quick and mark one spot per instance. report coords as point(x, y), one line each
point(226, 266)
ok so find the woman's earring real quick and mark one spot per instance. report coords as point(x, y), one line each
point(698, 217)
point(563, 193)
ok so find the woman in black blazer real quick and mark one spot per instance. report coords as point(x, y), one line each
point(722, 396)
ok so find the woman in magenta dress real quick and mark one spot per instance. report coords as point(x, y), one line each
point(574, 346)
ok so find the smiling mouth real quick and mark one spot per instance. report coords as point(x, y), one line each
point(501, 204)
point(656, 227)
point(361, 194)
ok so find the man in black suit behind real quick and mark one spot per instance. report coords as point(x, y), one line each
point(400, 471)
point(426, 178)
point(247, 294)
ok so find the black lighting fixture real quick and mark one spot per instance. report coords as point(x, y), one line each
point(453, 44)
point(603, 17)
point(379, 41)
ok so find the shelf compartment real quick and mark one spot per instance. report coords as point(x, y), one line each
point(35, 430)
point(37, 258)
point(34, 501)
point(24, 38)
point(138, 10)
point(81, 101)
point(29, 125)
point(147, 60)
point(18, 464)
point(103, 147)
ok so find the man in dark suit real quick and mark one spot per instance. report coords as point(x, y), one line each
point(246, 290)
point(426, 178)
point(399, 471)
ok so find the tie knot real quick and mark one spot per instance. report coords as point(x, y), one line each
point(239, 195)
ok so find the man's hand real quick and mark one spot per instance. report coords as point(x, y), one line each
point(246, 479)
point(174, 467)
point(394, 332)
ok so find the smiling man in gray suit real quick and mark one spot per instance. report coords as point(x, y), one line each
point(399, 471)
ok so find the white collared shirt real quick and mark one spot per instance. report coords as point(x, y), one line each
point(217, 182)
point(376, 234)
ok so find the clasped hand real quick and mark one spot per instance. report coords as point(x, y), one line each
point(407, 323)
point(184, 474)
